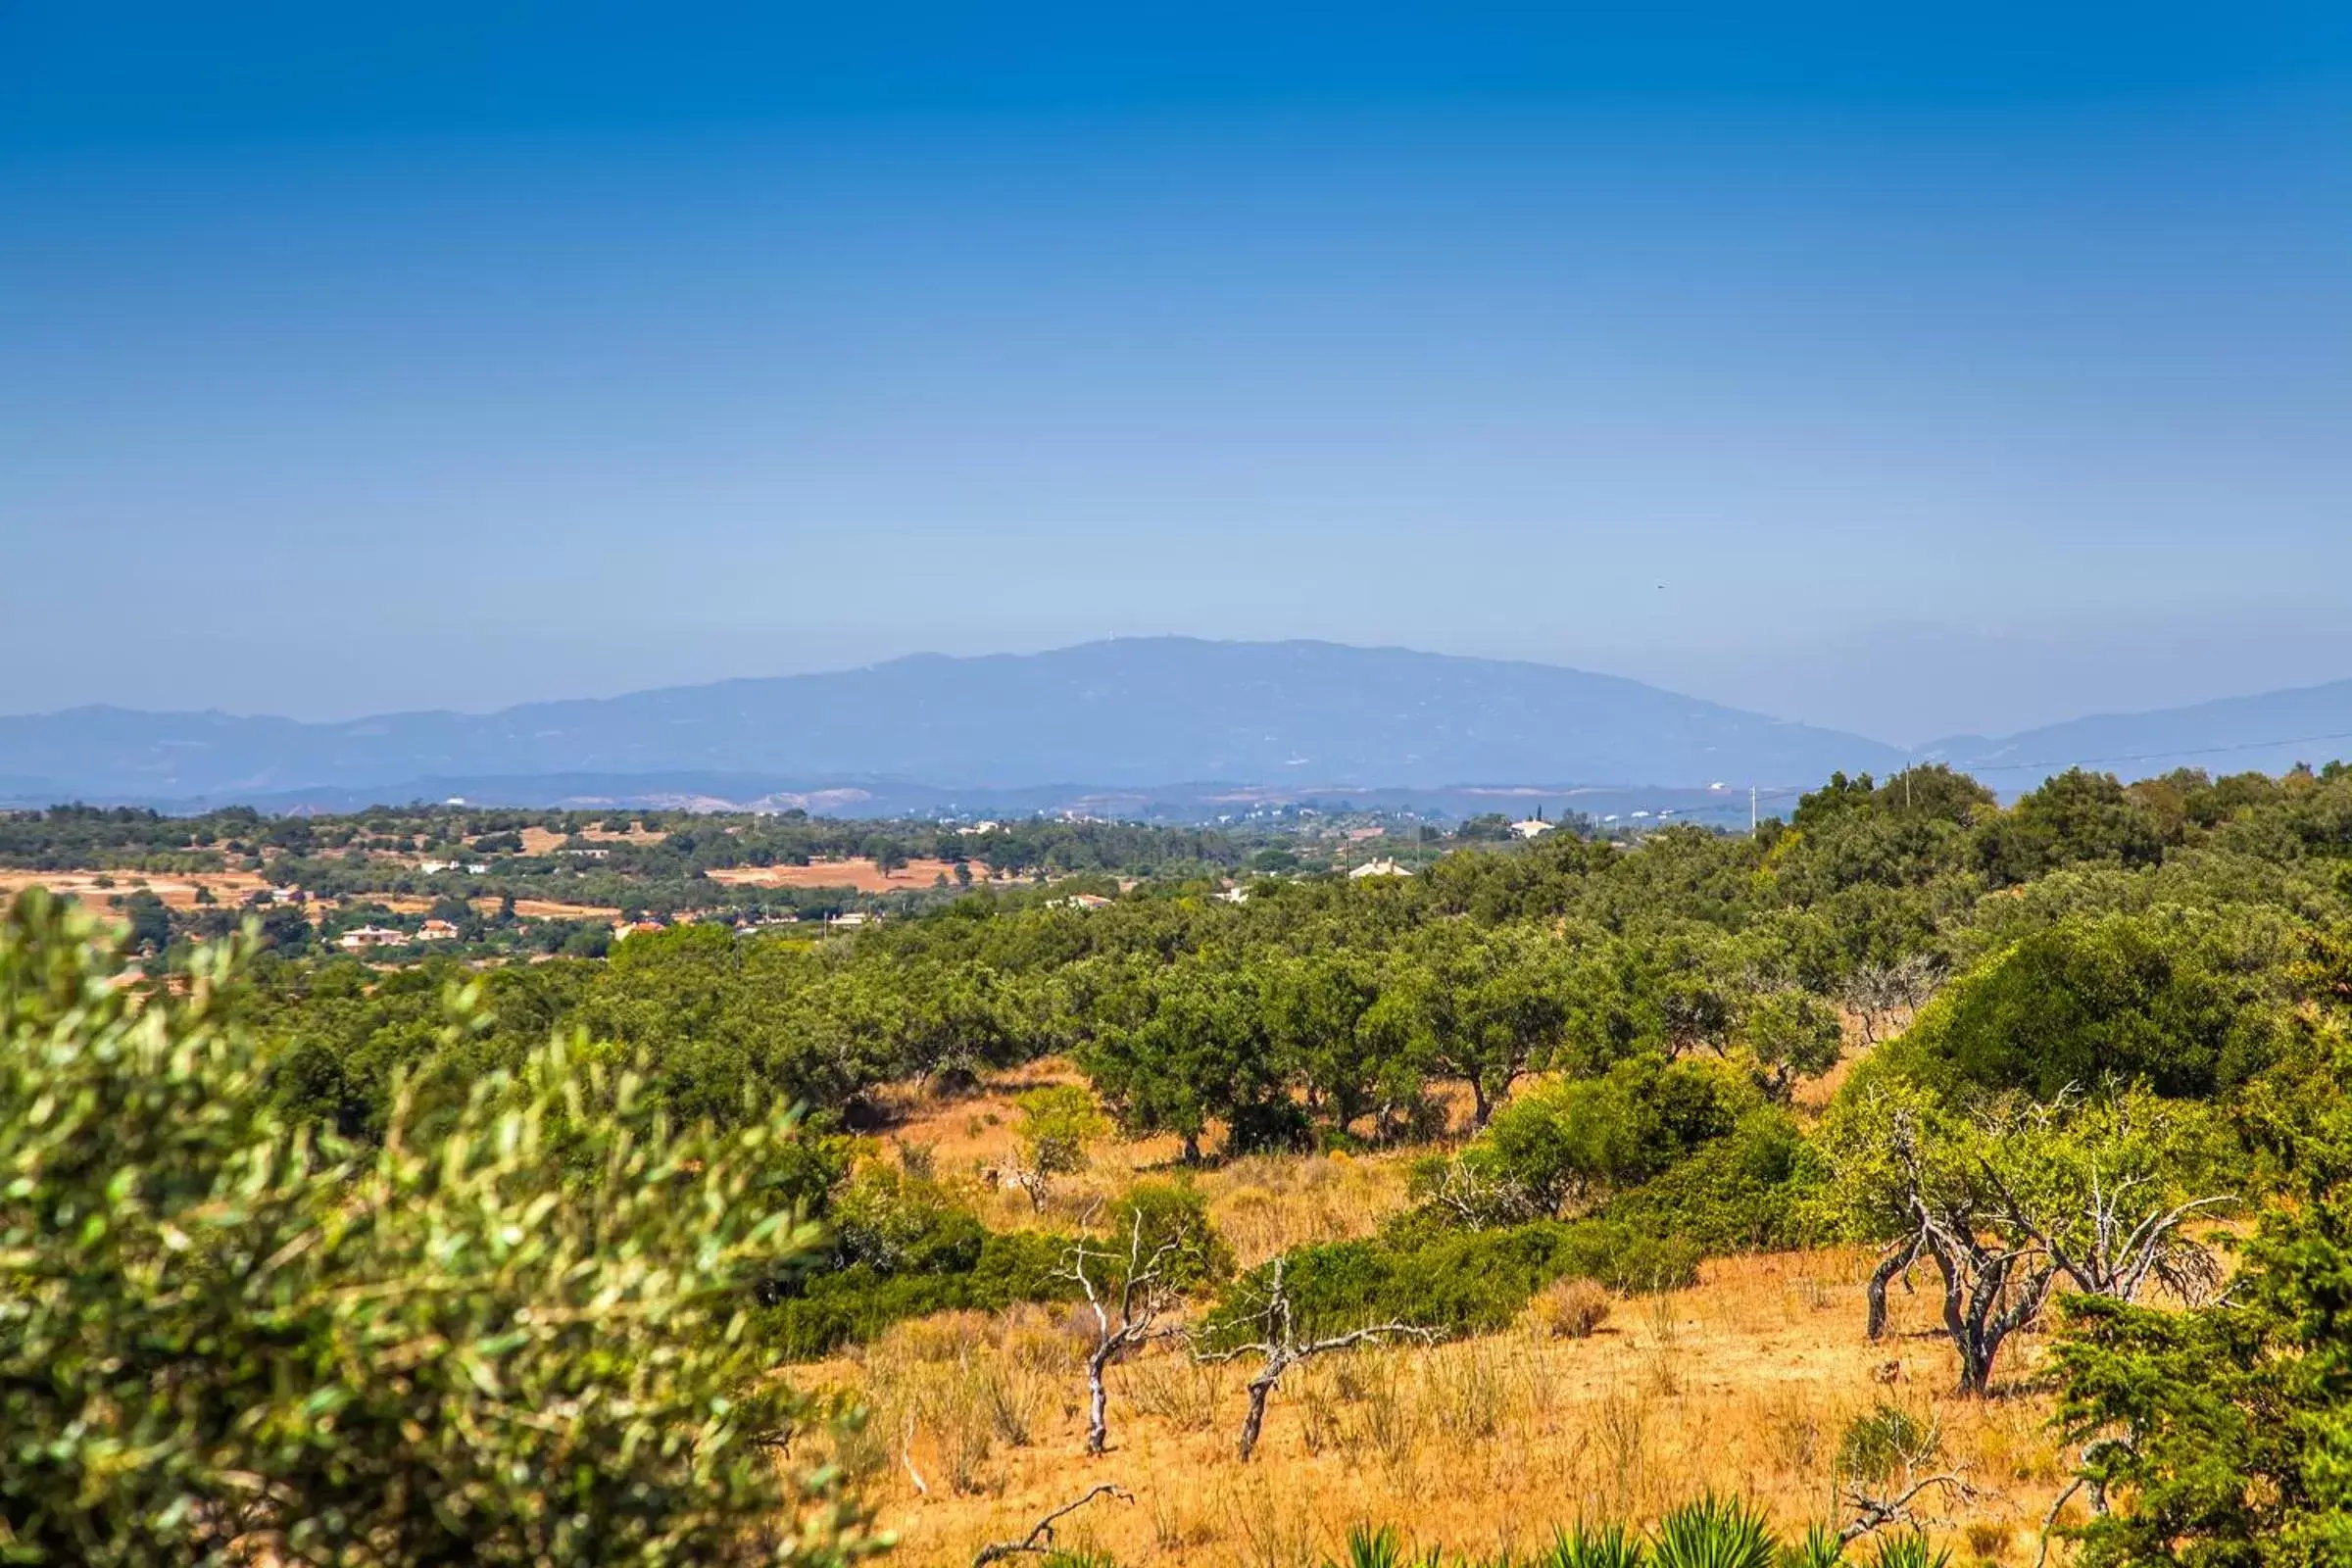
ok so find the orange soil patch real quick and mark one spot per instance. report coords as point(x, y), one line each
point(859, 874)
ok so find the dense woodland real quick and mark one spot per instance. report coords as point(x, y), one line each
point(2050, 1056)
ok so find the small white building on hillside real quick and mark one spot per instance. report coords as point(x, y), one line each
point(1377, 868)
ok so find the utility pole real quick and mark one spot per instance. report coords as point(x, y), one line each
point(1751, 810)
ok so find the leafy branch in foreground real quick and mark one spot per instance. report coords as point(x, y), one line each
point(513, 1333)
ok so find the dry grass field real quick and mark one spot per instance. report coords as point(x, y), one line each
point(1744, 1383)
point(861, 874)
point(176, 889)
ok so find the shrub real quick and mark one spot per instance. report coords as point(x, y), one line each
point(218, 1329)
point(1571, 1309)
point(1737, 1194)
point(2164, 998)
point(1879, 1443)
point(1594, 1547)
point(1459, 1281)
point(1172, 1211)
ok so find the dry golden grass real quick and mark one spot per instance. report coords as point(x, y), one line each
point(1262, 1205)
point(177, 889)
point(1744, 1383)
point(861, 874)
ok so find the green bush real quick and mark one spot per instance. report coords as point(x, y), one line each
point(2164, 998)
point(218, 1329)
point(856, 1303)
point(1736, 1195)
point(1459, 1281)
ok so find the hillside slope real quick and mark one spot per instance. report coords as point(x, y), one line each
point(2267, 733)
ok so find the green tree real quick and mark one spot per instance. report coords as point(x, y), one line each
point(2222, 1437)
point(1057, 1125)
point(2171, 999)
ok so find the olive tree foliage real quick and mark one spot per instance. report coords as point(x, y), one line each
point(2222, 1436)
point(512, 1333)
point(2017, 1199)
point(1057, 1123)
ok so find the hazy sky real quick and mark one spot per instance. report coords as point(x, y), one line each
point(1907, 374)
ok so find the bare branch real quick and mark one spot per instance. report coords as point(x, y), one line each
point(1040, 1539)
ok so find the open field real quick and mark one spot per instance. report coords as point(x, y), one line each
point(1743, 1383)
point(177, 889)
point(861, 874)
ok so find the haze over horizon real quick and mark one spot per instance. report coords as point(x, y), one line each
point(1901, 376)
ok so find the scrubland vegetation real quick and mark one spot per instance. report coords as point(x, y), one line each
point(1916, 1176)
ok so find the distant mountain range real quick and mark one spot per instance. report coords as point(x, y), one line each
point(2267, 733)
point(1121, 720)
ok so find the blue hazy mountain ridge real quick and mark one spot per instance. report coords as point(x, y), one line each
point(2269, 732)
point(1126, 711)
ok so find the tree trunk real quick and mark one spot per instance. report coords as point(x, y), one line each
point(1252, 1423)
point(1097, 1402)
point(1480, 1107)
point(1192, 1148)
point(1884, 1275)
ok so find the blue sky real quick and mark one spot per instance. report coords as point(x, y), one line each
point(1913, 373)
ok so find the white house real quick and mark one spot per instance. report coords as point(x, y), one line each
point(361, 937)
point(1377, 868)
point(1534, 827)
point(438, 931)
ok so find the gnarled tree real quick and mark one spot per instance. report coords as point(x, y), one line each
point(2015, 1200)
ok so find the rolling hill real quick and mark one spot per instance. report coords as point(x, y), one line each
point(2265, 733)
point(1123, 713)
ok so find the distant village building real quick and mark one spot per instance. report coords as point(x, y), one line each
point(1377, 868)
point(1081, 901)
point(628, 928)
point(1534, 827)
point(852, 919)
point(438, 931)
point(979, 827)
point(1234, 896)
point(361, 937)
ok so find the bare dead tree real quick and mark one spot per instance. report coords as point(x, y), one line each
point(1876, 1512)
point(1885, 997)
point(1479, 1200)
point(1127, 1300)
point(1898, 1503)
point(1040, 1539)
point(1990, 1290)
point(2124, 1232)
point(1280, 1349)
